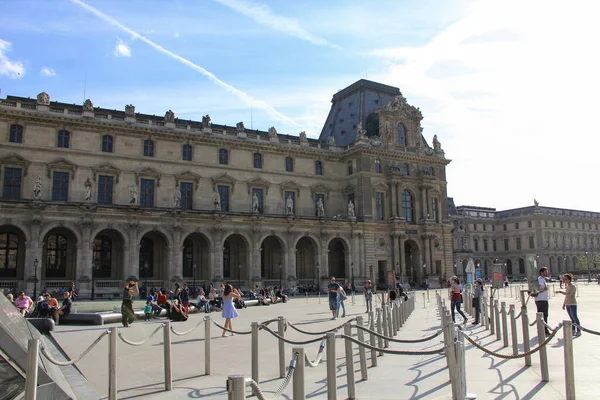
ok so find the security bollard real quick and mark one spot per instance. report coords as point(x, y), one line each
point(236, 387)
point(207, 345)
point(569, 360)
point(541, 331)
point(372, 340)
point(331, 369)
point(423, 300)
point(504, 325)
point(254, 352)
point(112, 364)
point(450, 350)
point(388, 309)
point(497, 323)
point(281, 332)
point(361, 350)
point(460, 383)
point(385, 326)
point(350, 382)
point(525, 325)
point(31, 374)
point(298, 387)
point(306, 296)
point(397, 316)
point(513, 330)
point(167, 356)
point(428, 294)
point(379, 325)
point(485, 313)
point(491, 316)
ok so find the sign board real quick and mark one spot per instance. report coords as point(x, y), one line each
point(391, 277)
point(497, 277)
point(531, 270)
point(470, 272)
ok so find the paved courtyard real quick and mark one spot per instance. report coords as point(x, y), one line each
point(140, 368)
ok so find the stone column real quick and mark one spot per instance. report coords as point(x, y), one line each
point(354, 254)
point(290, 267)
point(83, 268)
point(424, 202)
point(217, 270)
point(426, 258)
point(176, 259)
point(394, 196)
point(396, 252)
point(402, 241)
point(132, 269)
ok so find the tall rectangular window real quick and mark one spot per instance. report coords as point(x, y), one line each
point(485, 245)
point(63, 138)
point(516, 225)
point(493, 228)
point(319, 196)
point(12, 183)
point(494, 247)
point(259, 195)
point(504, 226)
point(379, 205)
point(378, 166)
point(474, 227)
point(105, 189)
point(531, 244)
point(529, 224)
point(258, 160)
point(16, 134)
point(187, 195)
point(434, 209)
point(223, 156)
point(350, 168)
point(186, 152)
point(107, 144)
point(291, 195)
point(318, 168)
point(147, 193)
point(518, 243)
point(224, 194)
point(485, 227)
point(148, 148)
point(506, 245)
point(60, 186)
point(476, 244)
point(289, 164)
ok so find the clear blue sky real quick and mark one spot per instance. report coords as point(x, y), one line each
point(509, 88)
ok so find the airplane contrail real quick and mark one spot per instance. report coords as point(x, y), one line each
point(251, 101)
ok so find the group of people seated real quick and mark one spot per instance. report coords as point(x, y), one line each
point(46, 306)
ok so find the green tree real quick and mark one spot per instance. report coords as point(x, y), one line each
point(588, 263)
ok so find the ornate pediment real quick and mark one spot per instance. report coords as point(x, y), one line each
point(290, 186)
point(188, 176)
point(148, 172)
point(258, 182)
point(319, 188)
point(400, 105)
point(223, 179)
point(15, 159)
point(61, 164)
point(349, 189)
point(381, 186)
point(106, 168)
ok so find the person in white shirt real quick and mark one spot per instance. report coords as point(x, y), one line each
point(541, 297)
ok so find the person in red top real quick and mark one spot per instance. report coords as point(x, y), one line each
point(162, 302)
point(456, 298)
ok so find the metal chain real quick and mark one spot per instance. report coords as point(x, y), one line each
point(317, 333)
point(397, 352)
point(291, 341)
point(287, 378)
point(399, 340)
point(581, 328)
point(143, 341)
point(76, 359)
point(186, 332)
point(512, 356)
point(231, 330)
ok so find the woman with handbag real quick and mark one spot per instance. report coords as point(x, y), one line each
point(456, 298)
point(477, 296)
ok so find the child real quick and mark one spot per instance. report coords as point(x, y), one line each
point(148, 311)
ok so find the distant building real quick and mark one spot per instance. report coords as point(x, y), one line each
point(100, 196)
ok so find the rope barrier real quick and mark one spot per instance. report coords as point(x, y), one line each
point(256, 389)
point(317, 361)
point(397, 352)
point(287, 378)
point(587, 330)
point(231, 330)
point(519, 316)
point(400, 340)
point(318, 333)
point(512, 356)
point(291, 341)
point(76, 359)
point(186, 332)
point(533, 323)
point(143, 341)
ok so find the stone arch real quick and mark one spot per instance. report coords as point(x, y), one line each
point(312, 236)
point(154, 248)
point(201, 231)
point(276, 235)
point(307, 257)
point(103, 227)
point(196, 250)
point(24, 230)
point(413, 267)
point(147, 229)
point(59, 253)
point(70, 227)
point(235, 253)
point(339, 253)
point(248, 240)
point(272, 257)
point(109, 254)
point(13, 247)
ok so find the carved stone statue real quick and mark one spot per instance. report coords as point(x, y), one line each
point(351, 209)
point(400, 104)
point(217, 201)
point(320, 208)
point(169, 116)
point(388, 133)
point(436, 143)
point(240, 127)
point(88, 105)
point(289, 205)
point(206, 121)
point(37, 189)
point(331, 140)
point(303, 137)
point(536, 203)
point(88, 189)
point(360, 131)
point(255, 203)
point(272, 132)
point(130, 110)
point(43, 99)
point(177, 197)
point(133, 193)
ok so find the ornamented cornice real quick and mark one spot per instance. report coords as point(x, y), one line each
point(61, 163)
point(106, 168)
point(15, 159)
point(223, 178)
point(260, 183)
point(319, 188)
point(148, 172)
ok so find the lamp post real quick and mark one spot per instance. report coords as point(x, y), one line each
point(280, 276)
point(93, 278)
point(35, 267)
point(146, 277)
point(194, 276)
point(318, 278)
point(352, 269)
point(240, 276)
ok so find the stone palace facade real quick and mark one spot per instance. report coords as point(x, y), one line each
point(98, 196)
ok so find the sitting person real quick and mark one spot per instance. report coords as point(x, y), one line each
point(214, 299)
point(65, 309)
point(10, 298)
point(24, 304)
point(162, 302)
point(203, 302)
point(239, 301)
point(281, 295)
point(178, 312)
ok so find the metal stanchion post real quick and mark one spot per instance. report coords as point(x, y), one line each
point(388, 309)
point(254, 352)
point(298, 386)
point(423, 300)
point(331, 369)
point(281, 332)
point(207, 345)
point(541, 331)
point(497, 323)
point(569, 361)
point(372, 340)
point(379, 330)
point(31, 374)
point(385, 326)
point(306, 297)
point(399, 313)
point(450, 349)
point(362, 354)
point(504, 324)
point(112, 364)
point(513, 330)
point(485, 313)
point(350, 382)
point(525, 324)
point(236, 387)
point(167, 356)
point(427, 294)
point(491, 316)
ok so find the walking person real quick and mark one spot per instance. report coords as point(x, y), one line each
point(368, 292)
point(341, 296)
point(127, 313)
point(477, 297)
point(229, 311)
point(541, 296)
point(456, 298)
point(184, 296)
point(333, 288)
point(570, 303)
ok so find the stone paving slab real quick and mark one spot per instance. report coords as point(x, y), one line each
point(395, 377)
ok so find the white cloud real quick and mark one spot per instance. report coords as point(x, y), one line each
point(176, 35)
point(47, 71)
point(8, 67)
point(262, 14)
point(121, 49)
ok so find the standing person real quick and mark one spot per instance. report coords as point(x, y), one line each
point(560, 280)
point(229, 311)
point(477, 296)
point(148, 311)
point(65, 309)
point(127, 313)
point(341, 296)
point(541, 296)
point(333, 288)
point(185, 298)
point(456, 298)
point(73, 291)
point(24, 304)
point(570, 303)
point(368, 292)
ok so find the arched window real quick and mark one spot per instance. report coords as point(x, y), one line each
point(372, 126)
point(378, 166)
point(401, 135)
point(102, 257)
point(223, 156)
point(107, 144)
point(63, 138)
point(16, 134)
point(56, 256)
point(407, 206)
point(186, 152)
point(9, 254)
point(258, 160)
point(521, 266)
point(188, 258)
point(148, 148)
point(405, 170)
point(509, 267)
